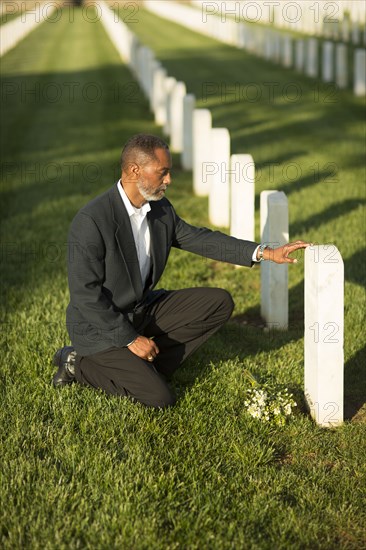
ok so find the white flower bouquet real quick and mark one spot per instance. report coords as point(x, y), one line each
point(269, 401)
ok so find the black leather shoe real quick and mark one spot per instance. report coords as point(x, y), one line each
point(64, 359)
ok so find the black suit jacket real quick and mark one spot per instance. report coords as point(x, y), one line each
point(106, 289)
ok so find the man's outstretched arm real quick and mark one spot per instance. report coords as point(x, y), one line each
point(218, 246)
point(280, 255)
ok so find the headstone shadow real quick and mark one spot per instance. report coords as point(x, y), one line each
point(355, 385)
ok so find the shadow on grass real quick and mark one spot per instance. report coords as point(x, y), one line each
point(355, 384)
point(355, 268)
point(331, 213)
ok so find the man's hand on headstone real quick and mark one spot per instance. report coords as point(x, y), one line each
point(145, 348)
point(280, 255)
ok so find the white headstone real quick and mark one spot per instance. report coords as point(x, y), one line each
point(341, 66)
point(150, 60)
point(345, 29)
point(176, 117)
point(274, 277)
point(259, 37)
point(356, 33)
point(242, 186)
point(360, 72)
point(169, 84)
point(324, 326)
point(159, 96)
point(250, 40)
point(154, 66)
point(276, 44)
point(328, 62)
point(268, 45)
point(312, 58)
point(202, 126)
point(241, 35)
point(139, 64)
point(145, 68)
point(287, 51)
point(299, 55)
point(189, 102)
point(135, 45)
point(217, 172)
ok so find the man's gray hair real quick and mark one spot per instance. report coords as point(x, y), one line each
point(141, 149)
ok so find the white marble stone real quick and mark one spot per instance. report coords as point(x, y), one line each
point(287, 51)
point(189, 103)
point(259, 41)
point(176, 117)
point(328, 62)
point(241, 35)
point(341, 66)
point(360, 73)
point(268, 45)
point(276, 42)
point(217, 172)
point(356, 33)
point(159, 95)
point(274, 277)
point(312, 60)
point(242, 222)
point(135, 45)
point(148, 68)
point(145, 55)
point(139, 63)
point(299, 55)
point(324, 327)
point(202, 126)
point(154, 66)
point(345, 27)
point(232, 32)
point(250, 40)
point(169, 84)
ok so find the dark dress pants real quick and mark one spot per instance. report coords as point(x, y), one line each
point(179, 322)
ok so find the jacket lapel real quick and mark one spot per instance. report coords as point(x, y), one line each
point(159, 242)
point(125, 240)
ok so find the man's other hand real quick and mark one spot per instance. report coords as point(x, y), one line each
point(145, 348)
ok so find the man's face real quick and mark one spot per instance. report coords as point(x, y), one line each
point(155, 176)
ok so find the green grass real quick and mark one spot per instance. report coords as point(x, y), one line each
point(81, 470)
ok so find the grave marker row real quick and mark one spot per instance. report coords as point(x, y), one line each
point(172, 108)
point(277, 47)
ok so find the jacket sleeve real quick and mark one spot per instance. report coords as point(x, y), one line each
point(212, 244)
point(86, 275)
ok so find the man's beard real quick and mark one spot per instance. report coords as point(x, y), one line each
point(149, 195)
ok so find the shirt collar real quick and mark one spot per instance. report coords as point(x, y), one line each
point(132, 210)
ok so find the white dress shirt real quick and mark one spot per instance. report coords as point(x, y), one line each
point(141, 232)
point(254, 257)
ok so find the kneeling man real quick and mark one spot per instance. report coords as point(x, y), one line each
point(128, 338)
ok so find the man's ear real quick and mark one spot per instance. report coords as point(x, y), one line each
point(133, 169)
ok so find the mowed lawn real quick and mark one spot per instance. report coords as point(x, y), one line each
point(82, 470)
